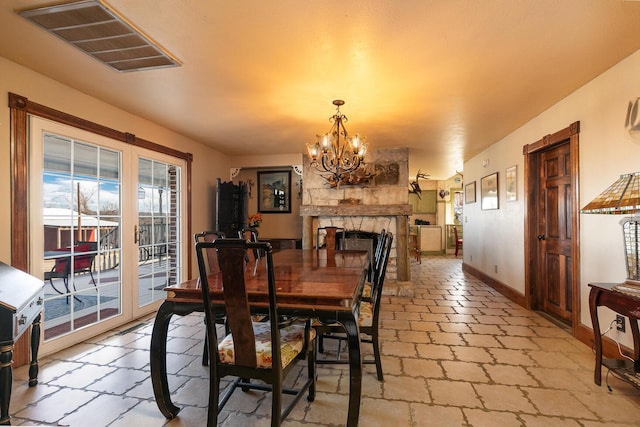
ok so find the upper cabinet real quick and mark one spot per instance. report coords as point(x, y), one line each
point(426, 203)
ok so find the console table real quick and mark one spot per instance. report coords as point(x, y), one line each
point(21, 302)
point(603, 294)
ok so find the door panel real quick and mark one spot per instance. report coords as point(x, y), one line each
point(555, 231)
point(81, 233)
point(159, 225)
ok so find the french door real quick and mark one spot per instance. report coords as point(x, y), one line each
point(107, 230)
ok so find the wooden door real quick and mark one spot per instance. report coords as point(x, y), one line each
point(552, 255)
point(555, 232)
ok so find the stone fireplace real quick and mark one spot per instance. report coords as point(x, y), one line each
point(381, 204)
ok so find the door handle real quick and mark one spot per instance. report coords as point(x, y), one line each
point(542, 237)
point(135, 234)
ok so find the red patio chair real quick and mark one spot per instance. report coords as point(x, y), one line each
point(81, 261)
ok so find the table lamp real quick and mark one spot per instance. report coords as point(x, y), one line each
point(620, 198)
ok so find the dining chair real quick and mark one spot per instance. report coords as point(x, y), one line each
point(368, 318)
point(253, 255)
point(375, 266)
point(457, 239)
point(268, 350)
point(214, 267)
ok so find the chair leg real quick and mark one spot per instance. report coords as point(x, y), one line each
point(214, 395)
point(205, 351)
point(56, 289)
point(93, 280)
point(339, 348)
point(66, 285)
point(276, 402)
point(65, 280)
point(376, 354)
point(311, 367)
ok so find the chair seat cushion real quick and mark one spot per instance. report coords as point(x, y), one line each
point(292, 340)
point(366, 290)
point(366, 314)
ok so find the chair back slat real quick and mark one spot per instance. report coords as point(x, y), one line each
point(232, 265)
point(377, 255)
point(379, 275)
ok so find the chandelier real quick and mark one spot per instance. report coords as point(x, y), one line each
point(336, 154)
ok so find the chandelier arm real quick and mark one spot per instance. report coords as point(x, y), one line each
point(327, 167)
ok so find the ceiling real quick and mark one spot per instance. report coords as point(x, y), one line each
point(446, 78)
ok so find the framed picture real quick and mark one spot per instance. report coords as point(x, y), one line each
point(274, 192)
point(511, 183)
point(489, 191)
point(470, 193)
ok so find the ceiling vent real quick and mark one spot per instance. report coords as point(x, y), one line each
point(99, 31)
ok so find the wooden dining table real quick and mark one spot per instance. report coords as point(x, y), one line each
point(321, 284)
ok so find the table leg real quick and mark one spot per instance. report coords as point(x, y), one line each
point(350, 324)
point(35, 345)
point(635, 333)
point(6, 378)
point(159, 361)
point(597, 338)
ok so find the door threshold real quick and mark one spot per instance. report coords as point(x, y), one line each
point(559, 323)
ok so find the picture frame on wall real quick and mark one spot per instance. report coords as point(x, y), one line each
point(489, 192)
point(274, 191)
point(470, 193)
point(511, 184)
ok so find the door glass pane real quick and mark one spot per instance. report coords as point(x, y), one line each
point(159, 237)
point(81, 218)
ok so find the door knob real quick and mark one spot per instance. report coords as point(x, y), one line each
point(541, 237)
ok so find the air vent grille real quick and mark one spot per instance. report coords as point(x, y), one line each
point(100, 32)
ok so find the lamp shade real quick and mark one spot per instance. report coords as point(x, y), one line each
point(621, 197)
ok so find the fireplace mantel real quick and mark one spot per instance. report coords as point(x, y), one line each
point(356, 210)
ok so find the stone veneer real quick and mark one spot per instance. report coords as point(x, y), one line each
point(370, 207)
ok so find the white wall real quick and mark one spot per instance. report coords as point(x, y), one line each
point(606, 150)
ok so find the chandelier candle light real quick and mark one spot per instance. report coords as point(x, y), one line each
point(336, 152)
point(620, 198)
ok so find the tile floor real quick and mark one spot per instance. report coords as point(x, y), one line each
point(457, 354)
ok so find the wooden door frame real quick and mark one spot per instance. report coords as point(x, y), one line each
point(20, 108)
point(532, 262)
